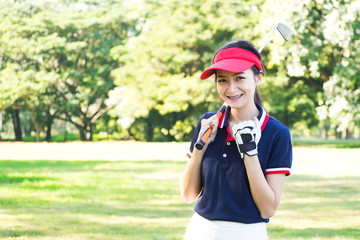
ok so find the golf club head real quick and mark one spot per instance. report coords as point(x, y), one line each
point(284, 30)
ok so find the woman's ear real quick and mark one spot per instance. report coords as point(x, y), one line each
point(258, 79)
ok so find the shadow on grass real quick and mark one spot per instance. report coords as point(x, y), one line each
point(314, 192)
point(308, 233)
point(100, 227)
point(340, 143)
point(8, 179)
point(319, 207)
point(319, 186)
point(21, 233)
point(138, 210)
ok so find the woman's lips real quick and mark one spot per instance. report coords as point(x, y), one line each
point(236, 96)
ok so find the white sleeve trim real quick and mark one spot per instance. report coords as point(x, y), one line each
point(285, 170)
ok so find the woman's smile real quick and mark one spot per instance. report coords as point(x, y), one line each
point(235, 97)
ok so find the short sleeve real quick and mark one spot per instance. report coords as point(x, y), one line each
point(194, 139)
point(280, 159)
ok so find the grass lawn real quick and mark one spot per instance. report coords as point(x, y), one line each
point(140, 199)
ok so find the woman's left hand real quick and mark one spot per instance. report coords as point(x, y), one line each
point(247, 136)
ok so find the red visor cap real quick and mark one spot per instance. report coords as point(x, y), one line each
point(234, 60)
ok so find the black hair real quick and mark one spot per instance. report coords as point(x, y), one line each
point(250, 47)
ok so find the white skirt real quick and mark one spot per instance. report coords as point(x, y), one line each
point(200, 228)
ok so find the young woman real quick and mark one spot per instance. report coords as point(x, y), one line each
point(237, 178)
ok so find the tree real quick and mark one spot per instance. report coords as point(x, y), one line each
point(160, 67)
point(83, 62)
point(322, 53)
point(73, 51)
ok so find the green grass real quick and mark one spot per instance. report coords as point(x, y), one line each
point(328, 143)
point(91, 200)
point(54, 138)
point(297, 141)
point(141, 200)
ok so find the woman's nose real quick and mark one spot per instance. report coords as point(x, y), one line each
point(232, 86)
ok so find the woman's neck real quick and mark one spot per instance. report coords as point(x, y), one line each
point(245, 113)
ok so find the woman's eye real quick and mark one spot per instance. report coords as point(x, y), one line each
point(221, 80)
point(239, 78)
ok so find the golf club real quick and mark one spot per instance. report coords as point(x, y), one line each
point(285, 32)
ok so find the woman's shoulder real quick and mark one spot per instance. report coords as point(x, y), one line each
point(275, 125)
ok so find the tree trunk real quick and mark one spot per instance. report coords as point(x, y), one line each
point(36, 124)
point(85, 133)
point(49, 121)
point(90, 132)
point(149, 133)
point(15, 114)
point(82, 133)
point(348, 134)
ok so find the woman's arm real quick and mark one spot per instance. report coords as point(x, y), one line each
point(266, 191)
point(190, 182)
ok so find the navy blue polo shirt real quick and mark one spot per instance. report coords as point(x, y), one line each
point(226, 192)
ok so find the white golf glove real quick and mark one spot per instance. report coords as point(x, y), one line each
point(247, 136)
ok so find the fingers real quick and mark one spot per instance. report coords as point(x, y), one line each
point(211, 122)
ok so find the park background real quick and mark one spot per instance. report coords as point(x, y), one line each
point(130, 69)
point(98, 101)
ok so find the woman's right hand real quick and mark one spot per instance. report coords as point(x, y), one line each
point(212, 123)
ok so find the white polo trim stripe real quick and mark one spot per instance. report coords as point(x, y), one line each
point(278, 170)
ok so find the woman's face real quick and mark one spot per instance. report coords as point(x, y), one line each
point(237, 89)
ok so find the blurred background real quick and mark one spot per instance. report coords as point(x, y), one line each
point(129, 70)
point(124, 70)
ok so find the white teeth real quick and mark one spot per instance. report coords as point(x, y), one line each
point(235, 96)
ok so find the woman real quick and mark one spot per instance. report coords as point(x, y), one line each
point(238, 176)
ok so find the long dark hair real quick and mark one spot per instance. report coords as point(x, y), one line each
point(250, 47)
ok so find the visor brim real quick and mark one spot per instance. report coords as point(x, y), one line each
point(228, 65)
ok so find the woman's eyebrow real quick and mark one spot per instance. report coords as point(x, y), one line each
point(238, 73)
point(223, 76)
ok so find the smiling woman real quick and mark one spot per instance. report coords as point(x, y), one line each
point(251, 59)
point(237, 178)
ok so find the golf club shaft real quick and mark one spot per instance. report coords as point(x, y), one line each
point(201, 142)
point(268, 37)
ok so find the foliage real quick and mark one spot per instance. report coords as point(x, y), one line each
point(321, 61)
point(68, 59)
point(136, 64)
point(161, 66)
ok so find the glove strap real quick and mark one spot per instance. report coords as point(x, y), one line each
point(246, 147)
